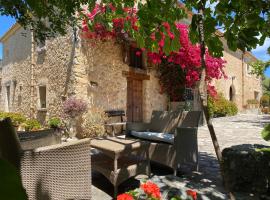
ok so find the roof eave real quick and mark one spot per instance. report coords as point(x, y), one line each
point(12, 30)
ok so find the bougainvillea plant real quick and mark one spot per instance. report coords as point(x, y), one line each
point(169, 42)
point(172, 81)
point(150, 191)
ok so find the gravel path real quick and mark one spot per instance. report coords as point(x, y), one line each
point(240, 129)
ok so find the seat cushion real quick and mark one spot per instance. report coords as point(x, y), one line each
point(154, 136)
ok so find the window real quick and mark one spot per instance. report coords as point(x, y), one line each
point(14, 90)
point(135, 58)
point(42, 96)
point(8, 97)
point(256, 95)
point(20, 96)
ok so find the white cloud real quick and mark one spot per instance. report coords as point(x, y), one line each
point(261, 51)
point(264, 47)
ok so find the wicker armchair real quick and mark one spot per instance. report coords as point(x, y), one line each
point(183, 125)
point(61, 171)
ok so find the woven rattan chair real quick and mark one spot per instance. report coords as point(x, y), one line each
point(184, 126)
point(61, 171)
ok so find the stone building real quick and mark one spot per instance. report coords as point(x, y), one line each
point(35, 79)
point(241, 86)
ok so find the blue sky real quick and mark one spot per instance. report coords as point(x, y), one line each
point(5, 24)
point(259, 52)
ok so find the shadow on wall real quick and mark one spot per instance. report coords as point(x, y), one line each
point(69, 65)
point(41, 117)
point(43, 195)
point(41, 57)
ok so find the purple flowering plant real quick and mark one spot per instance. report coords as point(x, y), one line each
point(74, 107)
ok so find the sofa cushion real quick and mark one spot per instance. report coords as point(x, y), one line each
point(154, 136)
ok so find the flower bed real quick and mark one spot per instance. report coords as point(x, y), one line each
point(150, 191)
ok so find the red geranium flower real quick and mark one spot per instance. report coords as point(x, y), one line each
point(125, 197)
point(192, 193)
point(151, 189)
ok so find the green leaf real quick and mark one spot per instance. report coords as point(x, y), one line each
point(140, 41)
point(167, 46)
point(215, 46)
point(175, 44)
point(266, 132)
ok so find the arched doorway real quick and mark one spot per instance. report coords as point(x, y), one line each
point(232, 93)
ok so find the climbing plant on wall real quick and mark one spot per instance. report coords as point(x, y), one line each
point(168, 43)
point(172, 80)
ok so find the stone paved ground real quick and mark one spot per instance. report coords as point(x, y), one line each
point(240, 129)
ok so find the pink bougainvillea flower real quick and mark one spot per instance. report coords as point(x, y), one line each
point(138, 53)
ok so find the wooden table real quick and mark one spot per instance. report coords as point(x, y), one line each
point(119, 159)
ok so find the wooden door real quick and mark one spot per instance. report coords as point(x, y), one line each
point(134, 100)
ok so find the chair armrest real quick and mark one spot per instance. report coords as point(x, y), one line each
point(186, 145)
point(69, 144)
point(130, 126)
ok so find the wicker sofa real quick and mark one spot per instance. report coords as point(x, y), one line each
point(183, 125)
point(60, 171)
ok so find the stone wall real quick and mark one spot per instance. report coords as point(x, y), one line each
point(51, 70)
point(18, 48)
point(100, 80)
point(243, 84)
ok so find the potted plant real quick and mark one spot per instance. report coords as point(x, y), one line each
point(54, 122)
point(34, 135)
point(73, 108)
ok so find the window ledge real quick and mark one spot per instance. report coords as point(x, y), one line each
point(42, 109)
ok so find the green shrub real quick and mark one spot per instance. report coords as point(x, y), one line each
point(16, 118)
point(265, 100)
point(221, 107)
point(32, 125)
point(266, 132)
point(54, 122)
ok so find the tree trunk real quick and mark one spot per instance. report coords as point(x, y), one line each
point(203, 97)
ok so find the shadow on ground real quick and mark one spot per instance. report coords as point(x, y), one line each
point(206, 182)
